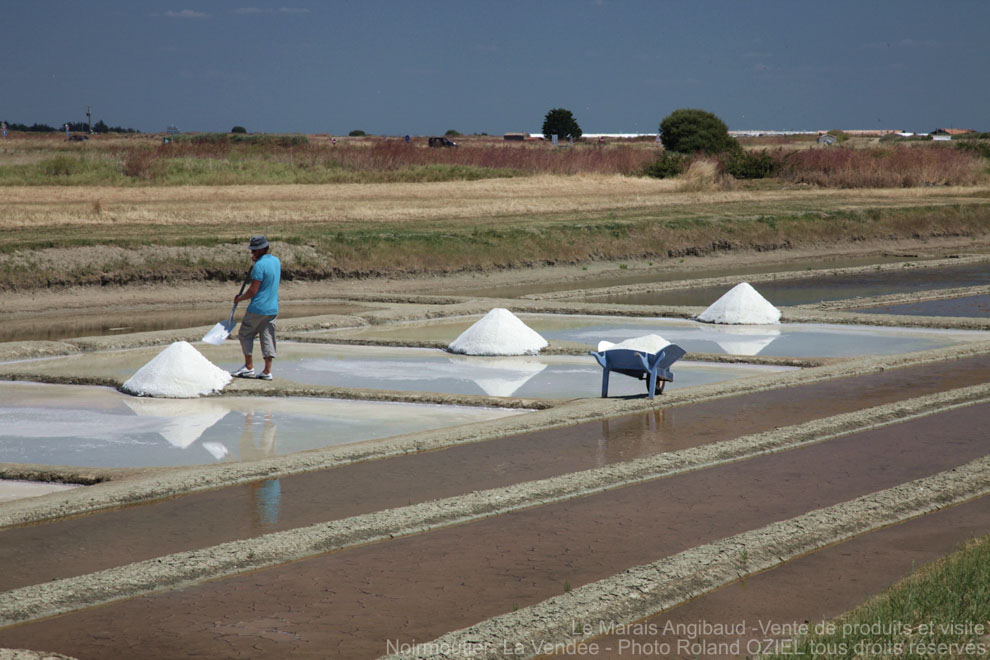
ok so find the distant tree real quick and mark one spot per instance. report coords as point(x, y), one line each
point(560, 122)
point(80, 126)
point(238, 129)
point(687, 131)
point(452, 133)
point(357, 133)
point(33, 128)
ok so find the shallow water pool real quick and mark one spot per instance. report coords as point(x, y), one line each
point(433, 370)
point(966, 306)
point(822, 288)
point(86, 426)
point(783, 340)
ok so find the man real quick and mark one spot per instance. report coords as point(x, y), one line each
point(259, 319)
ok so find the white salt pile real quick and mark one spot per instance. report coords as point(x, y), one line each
point(179, 372)
point(741, 305)
point(499, 332)
point(647, 344)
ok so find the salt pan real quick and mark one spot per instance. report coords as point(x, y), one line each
point(179, 372)
point(651, 344)
point(499, 332)
point(741, 305)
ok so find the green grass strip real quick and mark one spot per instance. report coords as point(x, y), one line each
point(940, 611)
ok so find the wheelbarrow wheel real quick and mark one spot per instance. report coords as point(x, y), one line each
point(659, 388)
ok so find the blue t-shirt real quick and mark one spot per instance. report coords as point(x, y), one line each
point(268, 271)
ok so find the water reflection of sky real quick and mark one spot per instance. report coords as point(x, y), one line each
point(965, 306)
point(92, 426)
point(430, 370)
point(784, 340)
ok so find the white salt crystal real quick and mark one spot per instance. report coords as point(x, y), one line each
point(741, 305)
point(647, 344)
point(499, 332)
point(179, 372)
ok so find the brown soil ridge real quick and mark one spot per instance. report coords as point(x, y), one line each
point(758, 277)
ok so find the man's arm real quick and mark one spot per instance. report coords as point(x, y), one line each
point(252, 290)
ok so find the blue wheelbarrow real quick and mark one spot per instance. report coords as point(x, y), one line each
point(654, 368)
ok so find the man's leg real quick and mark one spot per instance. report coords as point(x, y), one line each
point(266, 337)
point(246, 333)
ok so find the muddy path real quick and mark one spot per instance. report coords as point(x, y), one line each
point(761, 613)
point(66, 301)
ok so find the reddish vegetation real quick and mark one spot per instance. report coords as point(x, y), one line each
point(897, 166)
point(881, 167)
point(530, 158)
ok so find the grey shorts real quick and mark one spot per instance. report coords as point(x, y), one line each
point(263, 327)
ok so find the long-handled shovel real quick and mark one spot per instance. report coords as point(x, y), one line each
point(219, 333)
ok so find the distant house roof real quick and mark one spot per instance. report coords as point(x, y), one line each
point(952, 131)
point(827, 139)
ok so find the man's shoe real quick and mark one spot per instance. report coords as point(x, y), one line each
point(264, 376)
point(243, 372)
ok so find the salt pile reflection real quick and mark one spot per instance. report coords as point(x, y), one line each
point(182, 423)
point(746, 340)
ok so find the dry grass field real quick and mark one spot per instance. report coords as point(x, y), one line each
point(458, 202)
point(381, 207)
point(63, 236)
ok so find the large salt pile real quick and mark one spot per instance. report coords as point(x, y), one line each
point(179, 372)
point(651, 344)
point(499, 332)
point(741, 305)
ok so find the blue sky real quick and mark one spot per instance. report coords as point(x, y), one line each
point(393, 67)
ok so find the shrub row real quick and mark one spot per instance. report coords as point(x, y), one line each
point(218, 159)
point(239, 137)
point(898, 166)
